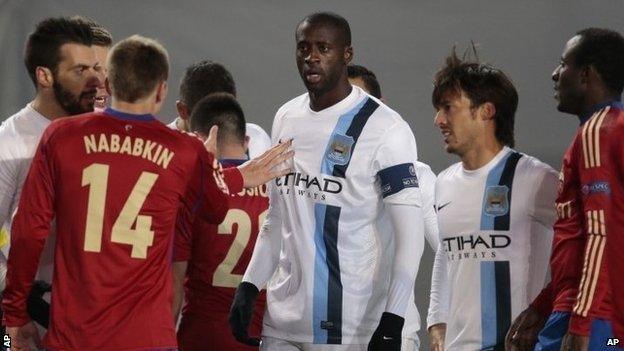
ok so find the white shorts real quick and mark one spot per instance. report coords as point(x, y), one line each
point(274, 344)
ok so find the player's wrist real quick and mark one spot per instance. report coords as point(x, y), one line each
point(391, 324)
point(249, 289)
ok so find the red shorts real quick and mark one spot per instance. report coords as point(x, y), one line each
point(200, 335)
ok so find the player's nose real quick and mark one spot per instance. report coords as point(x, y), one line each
point(439, 119)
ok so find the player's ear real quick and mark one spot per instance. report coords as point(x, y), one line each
point(487, 111)
point(44, 76)
point(348, 54)
point(161, 92)
point(107, 87)
point(183, 110)
point(246, 143)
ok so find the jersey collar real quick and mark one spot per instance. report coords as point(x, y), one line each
point(232, 162)
point(129, 116)
point(613, 103)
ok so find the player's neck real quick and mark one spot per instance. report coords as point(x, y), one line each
point(135, 108)
point(595, 100)
point(232, 152)
point(48, 107)
point(480, 155)
point(327, 99)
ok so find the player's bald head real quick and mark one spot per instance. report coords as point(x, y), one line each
point(332, 20)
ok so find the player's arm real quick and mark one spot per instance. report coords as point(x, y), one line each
point(31, 226)
point(394, 163)
point(438, 301)
point(8, 180)
point(182, 252)
point(544, 182)
point(426, 183)
point(8, 191)
point(253, 173)
point(261, 267)
point(594, 169)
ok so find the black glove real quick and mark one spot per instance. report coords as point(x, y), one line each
point(241, 312)
point(387, 336)
point(38, 308)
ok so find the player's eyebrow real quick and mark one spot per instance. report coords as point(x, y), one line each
point(80, 65)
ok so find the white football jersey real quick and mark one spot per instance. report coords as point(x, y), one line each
point(19, 138)
point(495, 237)
point(350, 159)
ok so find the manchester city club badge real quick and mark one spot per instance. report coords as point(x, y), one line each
point(339, 150)
point(496, 200)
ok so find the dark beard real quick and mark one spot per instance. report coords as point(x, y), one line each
point(69, 102)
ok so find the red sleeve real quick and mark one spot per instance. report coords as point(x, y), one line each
point(543, 303)
point(183, 235)
point(594, 167)
point(31, 226)
point(234, 180)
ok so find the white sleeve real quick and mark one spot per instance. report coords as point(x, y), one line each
point(426, 182)
point(8, 184)
point(394, 163)
point(259, 140)
point(3, 271)
point(544, 182)
point(440, 289)
point(407, 225)
point(266, 252)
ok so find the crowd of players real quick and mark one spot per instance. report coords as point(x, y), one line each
point(150, 243)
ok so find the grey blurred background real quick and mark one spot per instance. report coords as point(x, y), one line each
point(403, 42)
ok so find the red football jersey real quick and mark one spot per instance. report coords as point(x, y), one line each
point(217, 258)
point(615, 239)
point(114, 183)
point(579, 283)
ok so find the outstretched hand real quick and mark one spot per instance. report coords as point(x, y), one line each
point(267, 166)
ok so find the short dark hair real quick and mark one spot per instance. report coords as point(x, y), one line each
point(481, 83)
point(331, 19)
point(136, 65)
point(222, 110)
point(43, 45)
point(367, 76)
point(101, 36)
point(604, 50)
point(204, 78)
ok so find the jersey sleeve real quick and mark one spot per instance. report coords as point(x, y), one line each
point(394, 164)
point(266, 251)
point(426, 182)
point(31, 227)
point(207, 192)
point(183, 234)
point(8, 181)
point(440, 289)
point(595, 170)
point(543, 182)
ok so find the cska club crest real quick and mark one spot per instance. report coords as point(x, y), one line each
point(496, 200)
point(340, 149)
